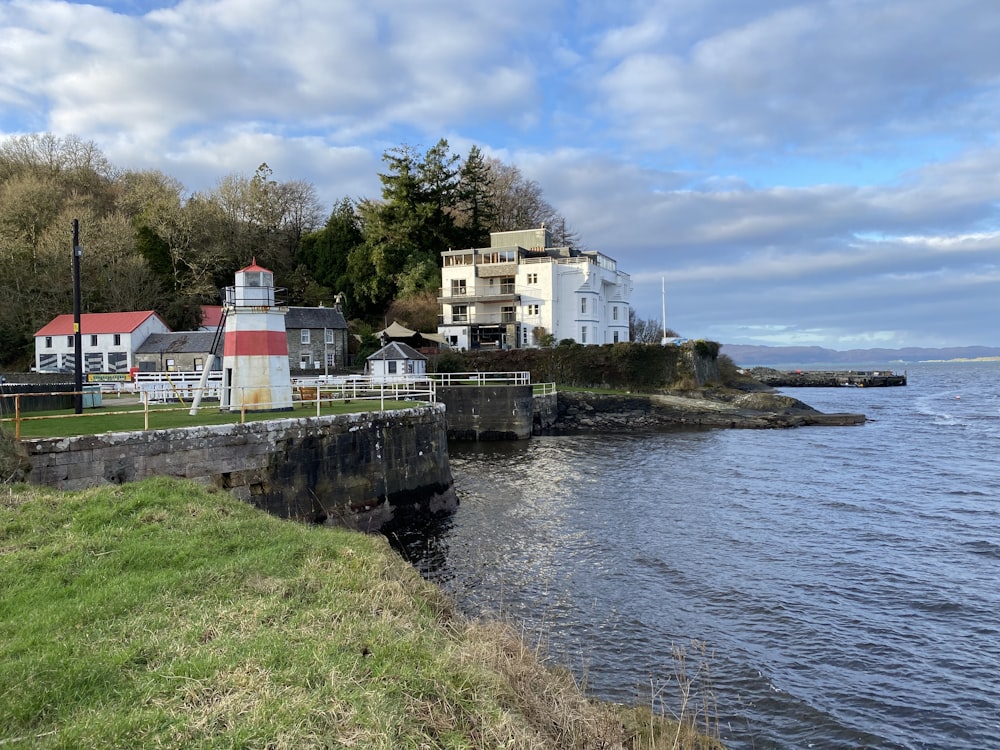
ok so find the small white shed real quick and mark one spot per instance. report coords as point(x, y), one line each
point(397, 361)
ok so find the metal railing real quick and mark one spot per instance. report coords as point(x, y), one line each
point(480, 379)
point(327, 394)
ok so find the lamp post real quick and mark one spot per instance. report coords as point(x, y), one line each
point(77, 333)
point(326, 358)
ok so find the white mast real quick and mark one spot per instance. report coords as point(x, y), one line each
point(663, 312)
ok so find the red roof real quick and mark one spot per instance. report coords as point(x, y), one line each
point(120, 322)
point(254, 267)
point(211, 316)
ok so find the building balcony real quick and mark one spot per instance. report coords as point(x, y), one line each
point(502, 318)
point(503, 293)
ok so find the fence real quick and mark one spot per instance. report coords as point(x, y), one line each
point(320, 394)
point(480, 379)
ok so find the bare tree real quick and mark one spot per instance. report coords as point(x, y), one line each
point(649, 331)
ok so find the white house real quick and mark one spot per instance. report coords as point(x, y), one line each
point(108, 340)
point(397, 361)
point(520, 291)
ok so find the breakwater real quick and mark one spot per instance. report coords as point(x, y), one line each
point(827, 378)
point(355, 470)
point(582, 411)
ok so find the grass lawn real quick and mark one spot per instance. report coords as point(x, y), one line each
point(160, 614)
point(128, 416)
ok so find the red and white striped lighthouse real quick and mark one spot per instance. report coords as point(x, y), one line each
point(255, 368)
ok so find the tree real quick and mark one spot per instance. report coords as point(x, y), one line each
point(406, 232)
point(517, 203)
point(325, 252)
point(646, 331)
point(475, 212)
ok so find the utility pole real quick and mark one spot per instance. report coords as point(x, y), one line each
point(77, 333)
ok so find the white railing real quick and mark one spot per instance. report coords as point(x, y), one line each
point(479, 379)
point(177, 386)
point(327, 390)
point(451, 379)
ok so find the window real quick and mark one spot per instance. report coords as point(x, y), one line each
point(329, 359)
point(392, 366)
point(464, 259)
point(583, 304)
point(614, 314)
point(48, 342)
point(583, 335)
point(507, 286)
point(458, 287)
point(118, 339)
point(93, 340)
point(199, 364)
point(171, 365)
point(460, 314)
point(70, 341)
point(507, 314)
point(532, 278)
point(304, 360)
point(304, 336)
point(409, 366)
point(531, 309)
point(328, 332)
point(616, 337)
point(253, 278)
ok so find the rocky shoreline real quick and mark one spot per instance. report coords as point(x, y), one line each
point(582, 411)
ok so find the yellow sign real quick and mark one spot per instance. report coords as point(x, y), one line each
point(108, 377)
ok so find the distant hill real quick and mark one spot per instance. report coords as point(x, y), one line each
point(746, 355)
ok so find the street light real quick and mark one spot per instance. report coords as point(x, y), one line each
point(77, 334)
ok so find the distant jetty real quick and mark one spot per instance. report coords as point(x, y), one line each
point(827, 378)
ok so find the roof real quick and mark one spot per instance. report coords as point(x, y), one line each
point(398, 331)
point(211, 316)
point(314, 317)
point(117, 322)
point(397, 350)
point(254, 267)
point(181, 342)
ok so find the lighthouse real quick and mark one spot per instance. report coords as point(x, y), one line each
point(255, 352)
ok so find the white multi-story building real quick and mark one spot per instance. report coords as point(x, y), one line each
point(520, 291)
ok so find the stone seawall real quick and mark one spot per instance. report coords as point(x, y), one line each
point(490, 412)
point(356, 470)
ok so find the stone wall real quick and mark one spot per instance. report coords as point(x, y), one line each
point(501, 412)
point(356, 470)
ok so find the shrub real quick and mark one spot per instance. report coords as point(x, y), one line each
point(707, 349)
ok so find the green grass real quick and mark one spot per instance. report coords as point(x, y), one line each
point(126, 417)
point(159, 614)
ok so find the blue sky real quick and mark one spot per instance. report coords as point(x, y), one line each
point(821, 172)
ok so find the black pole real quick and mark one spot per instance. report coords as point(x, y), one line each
point(77, 334)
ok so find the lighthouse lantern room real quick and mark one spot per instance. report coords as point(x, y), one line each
point(255, 367)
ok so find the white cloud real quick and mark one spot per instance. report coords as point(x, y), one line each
point(824, 170)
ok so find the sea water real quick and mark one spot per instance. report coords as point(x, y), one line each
point(831, 587)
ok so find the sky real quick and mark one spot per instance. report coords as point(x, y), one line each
point(790, 172)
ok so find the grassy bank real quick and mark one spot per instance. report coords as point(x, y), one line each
point(161, 614)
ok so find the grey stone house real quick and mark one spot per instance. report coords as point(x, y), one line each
point(183, 351)
point(317, 338)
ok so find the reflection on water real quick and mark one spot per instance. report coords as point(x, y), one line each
point(845, 578)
